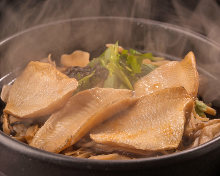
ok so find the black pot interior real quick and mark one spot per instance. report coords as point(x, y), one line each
point(91, 34)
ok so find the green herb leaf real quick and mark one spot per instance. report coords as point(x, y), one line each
point(134, 52)
point(134, 63)
point(111, 81)
point(85, 83)
point(121, 70)
point(200, 108)
point(151, 57)
point(146, 69)
point(111, 61)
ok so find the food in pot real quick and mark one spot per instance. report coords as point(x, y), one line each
point(154, 123)
point(123, 104)
point(81, 113)
point(39, 90)
point(172, 74)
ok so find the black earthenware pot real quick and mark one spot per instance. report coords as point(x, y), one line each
point(90, 34)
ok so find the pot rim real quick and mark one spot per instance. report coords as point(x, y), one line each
point(79, 163)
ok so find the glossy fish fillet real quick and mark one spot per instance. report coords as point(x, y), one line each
point(5, 92)
point(81, 113)
point(39, 90)
point(172, 74)
point(154, 123)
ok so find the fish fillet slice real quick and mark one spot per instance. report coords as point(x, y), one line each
point(172, 74)
point(39, 90)
point(154, 123)
point(81, 113)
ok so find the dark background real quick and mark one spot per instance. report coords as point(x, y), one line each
point(18, 15)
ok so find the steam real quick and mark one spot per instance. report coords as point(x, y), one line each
point(202, 18)
point(199, 16)
point(205, 19)
point(21, 15)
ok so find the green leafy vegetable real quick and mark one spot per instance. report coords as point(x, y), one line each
point(114, 69)
point(145, 69)
point(111, 62)
point(134, 63)
point(84, 83)
point(200, 108)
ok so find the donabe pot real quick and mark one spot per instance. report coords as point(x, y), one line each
point(91, 34)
